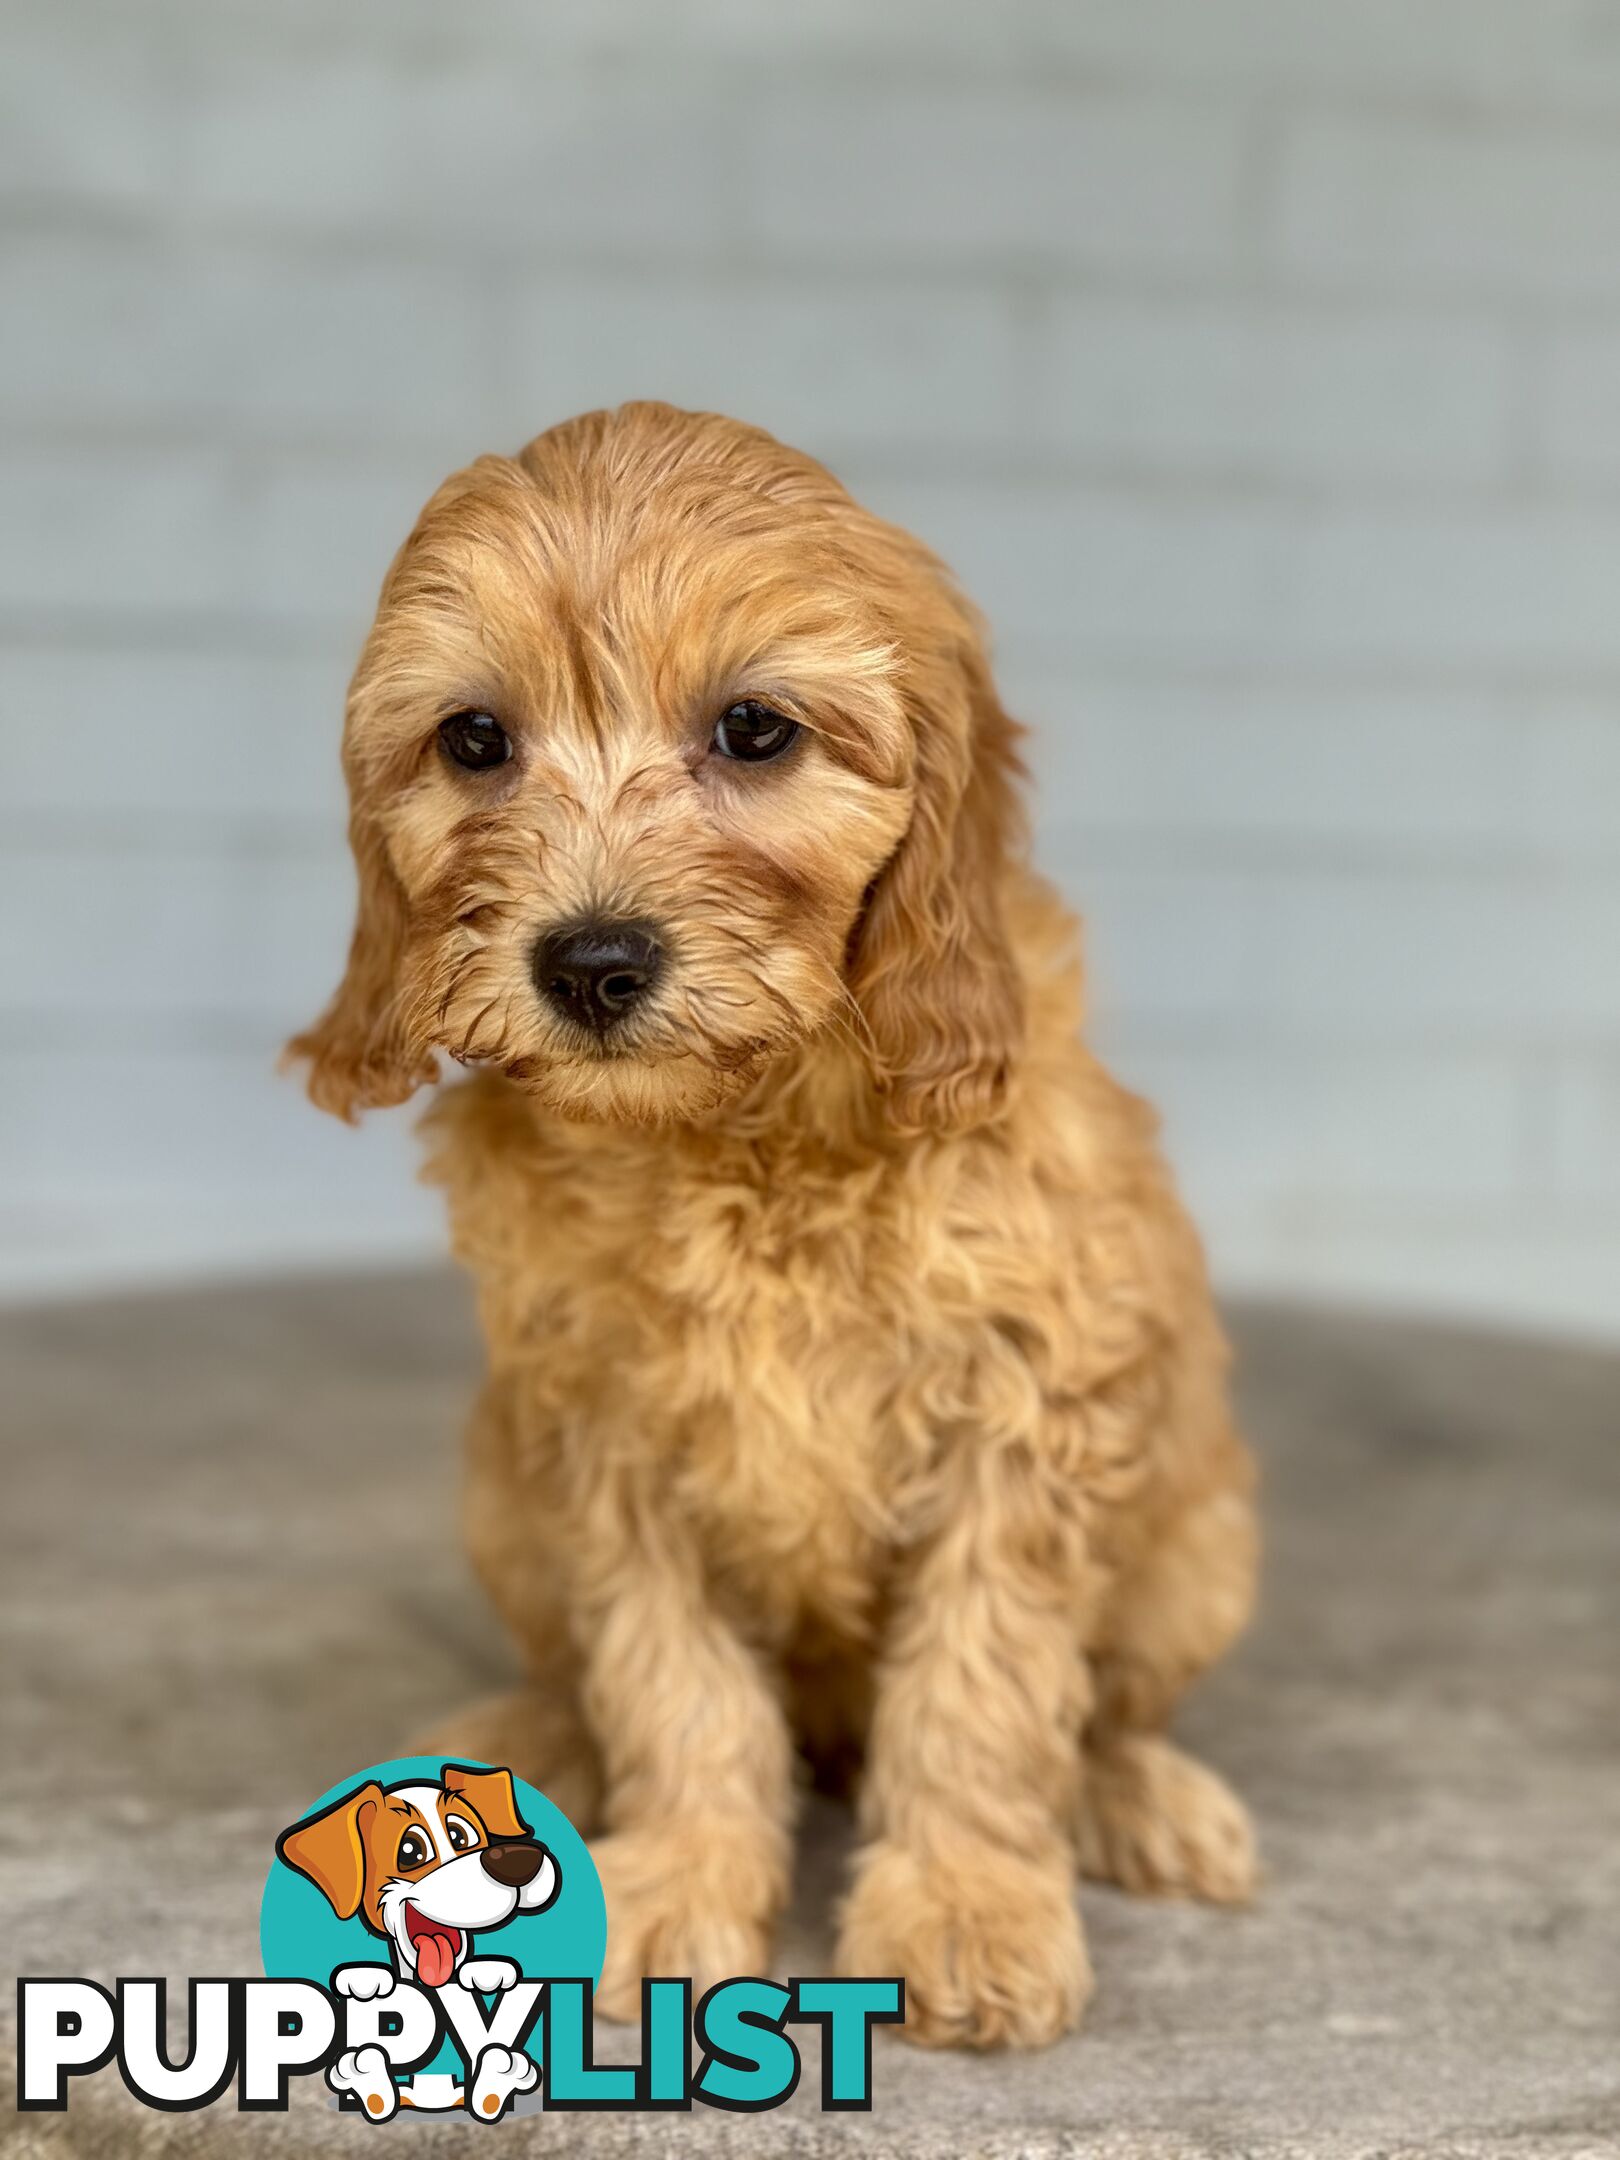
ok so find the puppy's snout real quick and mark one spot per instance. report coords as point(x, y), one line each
point(596, 972)
point(515, 1864)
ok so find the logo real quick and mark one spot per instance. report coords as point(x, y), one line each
point(436, 1899)
point(432, 1932)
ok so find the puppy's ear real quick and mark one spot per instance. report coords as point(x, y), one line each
point(492, 1794)
point(360, 1056)
point(330, 1848)
point(932, 969)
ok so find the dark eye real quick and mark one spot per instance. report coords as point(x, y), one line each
point(476, 740)
point(414, 1850)
point(461, 1838)
point(752, 732)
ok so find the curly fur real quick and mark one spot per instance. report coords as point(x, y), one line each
point(854, 1387)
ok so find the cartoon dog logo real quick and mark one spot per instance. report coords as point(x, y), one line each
point(426, 1866)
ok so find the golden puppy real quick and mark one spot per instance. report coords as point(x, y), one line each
point(853, 1377)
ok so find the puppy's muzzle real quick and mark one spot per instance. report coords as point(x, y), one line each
point(596, 973)
point(513, 1864)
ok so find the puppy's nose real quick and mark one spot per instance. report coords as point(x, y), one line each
point(513, 1865)
point(596, 971)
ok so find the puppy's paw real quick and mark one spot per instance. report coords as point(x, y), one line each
point(676, 1907)
point(501, 2074)
point(365, 2073)
point(538, 1736)
point(488, 1975)
point(364, 1983)
point(988, 1944)
point(1154, 1820)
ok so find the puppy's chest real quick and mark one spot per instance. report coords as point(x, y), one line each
point(771, 1338)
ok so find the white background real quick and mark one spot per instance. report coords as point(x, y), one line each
point(1257, 362)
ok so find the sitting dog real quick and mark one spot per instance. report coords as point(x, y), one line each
point(854, 1385)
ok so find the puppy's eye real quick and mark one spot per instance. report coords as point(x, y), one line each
point(751, 732)
point(461, 1838)
point(476, 740)
point(414, 1850)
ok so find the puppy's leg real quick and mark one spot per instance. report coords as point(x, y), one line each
point(1155, 1820)
point(1151, 1818)
point(966, 1886)
point(538, 1730)
point(538, 1733)
point(697, 1757)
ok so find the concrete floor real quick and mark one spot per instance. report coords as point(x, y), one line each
point(229, 1574)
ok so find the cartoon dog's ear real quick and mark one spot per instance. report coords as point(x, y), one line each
point(492, 1793)
point(330, 1849)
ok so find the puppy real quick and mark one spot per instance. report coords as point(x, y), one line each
point(854, 1385)
point(423, 1866)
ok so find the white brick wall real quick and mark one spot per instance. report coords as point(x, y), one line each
point(1240, 390)
point(1256, 361)
point(1426, 203)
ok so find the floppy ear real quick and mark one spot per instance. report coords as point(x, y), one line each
point(932, 969)
point(492, 1793)
point(360, 1057)
point(330, 1849)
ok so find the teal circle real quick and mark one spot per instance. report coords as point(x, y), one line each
point(302, 1938)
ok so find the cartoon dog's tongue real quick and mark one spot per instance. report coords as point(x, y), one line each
point(435, 1945)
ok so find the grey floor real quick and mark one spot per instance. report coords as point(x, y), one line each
point(229, 1573)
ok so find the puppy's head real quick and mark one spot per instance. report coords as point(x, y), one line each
point(664, 757)
point(425, 1865)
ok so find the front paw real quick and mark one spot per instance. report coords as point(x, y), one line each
point(500, 2075)
point(680, 1905)
point(365, 2072)
point(988, 1944)
point(364, 1983)
point(489, 1975)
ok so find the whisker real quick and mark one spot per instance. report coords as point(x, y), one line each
point(848, 1012)
point(471, 1034)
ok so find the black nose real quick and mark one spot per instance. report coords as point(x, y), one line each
point(596, 971)
point(514, 1863)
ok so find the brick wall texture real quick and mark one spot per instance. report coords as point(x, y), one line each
point(1256, 362)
